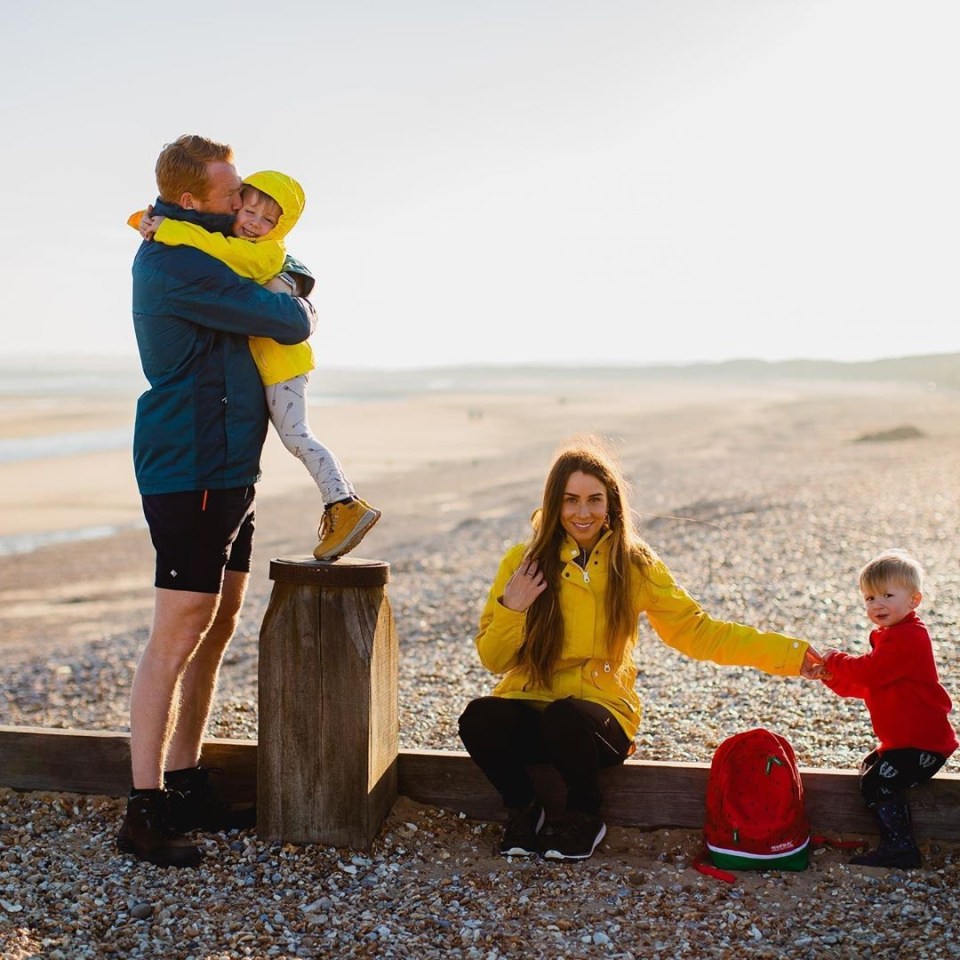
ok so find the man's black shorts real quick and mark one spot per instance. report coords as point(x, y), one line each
point(199, 534)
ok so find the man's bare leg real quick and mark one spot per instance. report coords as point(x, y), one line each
point(181, 619)
point(199, 681)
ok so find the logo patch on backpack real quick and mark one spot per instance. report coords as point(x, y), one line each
point(755, 813)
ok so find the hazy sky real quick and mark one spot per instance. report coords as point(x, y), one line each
point(510, 180)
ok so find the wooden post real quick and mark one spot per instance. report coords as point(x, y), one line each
point(328, 720)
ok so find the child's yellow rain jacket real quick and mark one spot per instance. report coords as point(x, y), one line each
point(259, 260)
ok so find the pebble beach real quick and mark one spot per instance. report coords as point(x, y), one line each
point(764, 499)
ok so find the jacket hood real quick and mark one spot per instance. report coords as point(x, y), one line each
point(287, 192)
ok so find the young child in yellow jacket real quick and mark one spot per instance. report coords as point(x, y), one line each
point(272, 204)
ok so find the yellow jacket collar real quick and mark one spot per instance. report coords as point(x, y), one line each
point(571, 549)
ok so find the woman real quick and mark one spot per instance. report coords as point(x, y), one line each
point(559, 628)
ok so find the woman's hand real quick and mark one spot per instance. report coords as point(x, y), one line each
point(812, 667)
point(523, 587)
point(825, 673)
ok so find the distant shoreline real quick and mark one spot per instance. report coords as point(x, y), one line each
point(121, 374)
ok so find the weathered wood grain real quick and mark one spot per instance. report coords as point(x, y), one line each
point(644, 794)
point(328, 715)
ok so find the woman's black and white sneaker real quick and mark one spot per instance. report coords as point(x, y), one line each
point(576, 837)
point(520, 833)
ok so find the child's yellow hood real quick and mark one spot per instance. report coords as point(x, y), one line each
point(287, 192)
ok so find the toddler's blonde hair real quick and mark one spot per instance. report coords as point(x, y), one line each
point(892, 566)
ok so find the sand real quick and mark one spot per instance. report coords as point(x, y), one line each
point(762, 499)
point(373, 440)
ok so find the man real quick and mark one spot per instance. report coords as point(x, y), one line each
point(198, 436)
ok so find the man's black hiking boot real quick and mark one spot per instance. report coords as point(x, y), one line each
point(147, 834)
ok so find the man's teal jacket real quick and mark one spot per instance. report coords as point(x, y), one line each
point(202, 422)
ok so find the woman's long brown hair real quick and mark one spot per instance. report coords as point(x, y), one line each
point(629, 557)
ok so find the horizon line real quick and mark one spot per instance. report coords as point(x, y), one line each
point(59, 361)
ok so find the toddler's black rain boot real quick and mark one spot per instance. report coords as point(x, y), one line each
point(147, 834)
point(897, 848)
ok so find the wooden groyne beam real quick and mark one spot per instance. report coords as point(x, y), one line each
point(643, 794)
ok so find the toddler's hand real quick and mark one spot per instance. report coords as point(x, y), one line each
point(149, 225)
point(825, 674)
point(812, 666)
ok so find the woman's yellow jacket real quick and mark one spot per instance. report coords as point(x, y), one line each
point(585, 669)
point(259, 260)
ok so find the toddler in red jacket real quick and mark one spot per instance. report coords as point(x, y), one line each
point(908, 707)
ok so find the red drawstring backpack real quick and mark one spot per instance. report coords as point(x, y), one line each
point(755, 814)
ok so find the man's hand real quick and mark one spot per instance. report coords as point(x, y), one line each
point(281, 283)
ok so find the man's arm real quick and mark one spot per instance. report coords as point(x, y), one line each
point(299, 275)
point(205, 291)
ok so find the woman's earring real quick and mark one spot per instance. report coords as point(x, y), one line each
point(606, 519)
